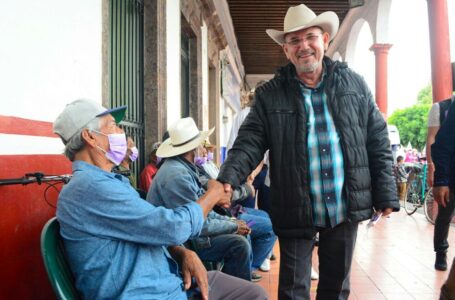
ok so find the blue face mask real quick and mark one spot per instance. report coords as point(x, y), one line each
point(117, 147)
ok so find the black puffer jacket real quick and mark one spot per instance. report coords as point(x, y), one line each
point(278, 121)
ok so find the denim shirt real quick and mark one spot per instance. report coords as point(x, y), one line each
point(116, 242)
point(177, 183)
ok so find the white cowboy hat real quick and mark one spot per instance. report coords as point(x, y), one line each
point(184, 136)
point(301, 17)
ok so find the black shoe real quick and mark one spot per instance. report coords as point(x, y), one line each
point(441, 261)
point(273, 257)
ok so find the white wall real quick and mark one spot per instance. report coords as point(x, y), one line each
point(363, 59)
point(50, 54)
point(173, 60)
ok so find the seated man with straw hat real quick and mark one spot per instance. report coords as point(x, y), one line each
point(177, 184)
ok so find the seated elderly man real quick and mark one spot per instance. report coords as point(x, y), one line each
point(177, 184)
point(119, 246)
point(262, 236)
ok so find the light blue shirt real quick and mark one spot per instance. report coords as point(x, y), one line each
point(177, 183)
point(116, 242)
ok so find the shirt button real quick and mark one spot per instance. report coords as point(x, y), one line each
point(325, 174)
point(323, 150)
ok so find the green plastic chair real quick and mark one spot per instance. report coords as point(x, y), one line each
point(54, 258)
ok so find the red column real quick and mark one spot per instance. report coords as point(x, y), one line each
point(441, 73)
point(380, 52)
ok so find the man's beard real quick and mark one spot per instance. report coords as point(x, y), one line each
point(307, 68)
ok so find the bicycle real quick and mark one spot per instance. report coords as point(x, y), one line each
point(39, 178)
point(419, 194)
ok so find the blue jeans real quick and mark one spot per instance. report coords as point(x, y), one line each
point(262, 236)
point(234, 249)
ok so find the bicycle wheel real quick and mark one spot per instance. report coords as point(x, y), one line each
point(412, 200)
point(430, 207)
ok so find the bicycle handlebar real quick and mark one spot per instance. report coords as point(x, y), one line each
point(37, 177)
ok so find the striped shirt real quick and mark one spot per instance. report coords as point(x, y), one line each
point(326, 168)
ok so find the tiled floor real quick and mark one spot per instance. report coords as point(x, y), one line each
point(393, 260)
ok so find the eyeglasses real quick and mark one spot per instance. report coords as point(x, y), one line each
point(311, 38)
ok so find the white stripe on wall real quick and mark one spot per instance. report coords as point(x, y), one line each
point(14, 144)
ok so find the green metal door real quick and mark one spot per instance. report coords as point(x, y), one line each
point(126, 76)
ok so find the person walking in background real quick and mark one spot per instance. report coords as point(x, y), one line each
point(443, 157)
point(329, 152)
point(401, 177)
point(436, 118)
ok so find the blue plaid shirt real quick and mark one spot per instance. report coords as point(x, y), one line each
point(325, 158)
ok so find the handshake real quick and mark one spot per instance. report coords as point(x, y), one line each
point(216, 194)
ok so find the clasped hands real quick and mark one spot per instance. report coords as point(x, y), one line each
point(217, 189)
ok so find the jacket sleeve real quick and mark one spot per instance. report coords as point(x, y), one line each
point(443, 149)
point(249, 147)
point(241, 193)
point(216, 224)
point(380, 157)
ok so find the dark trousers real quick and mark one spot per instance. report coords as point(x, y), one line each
point(335, 251)
point(442, 224)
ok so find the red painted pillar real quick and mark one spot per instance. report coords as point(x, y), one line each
point(441, 73)
point(381, 51)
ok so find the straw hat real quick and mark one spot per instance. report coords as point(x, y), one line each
point(301, 17)
point(184, 136)
point(206, 144)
